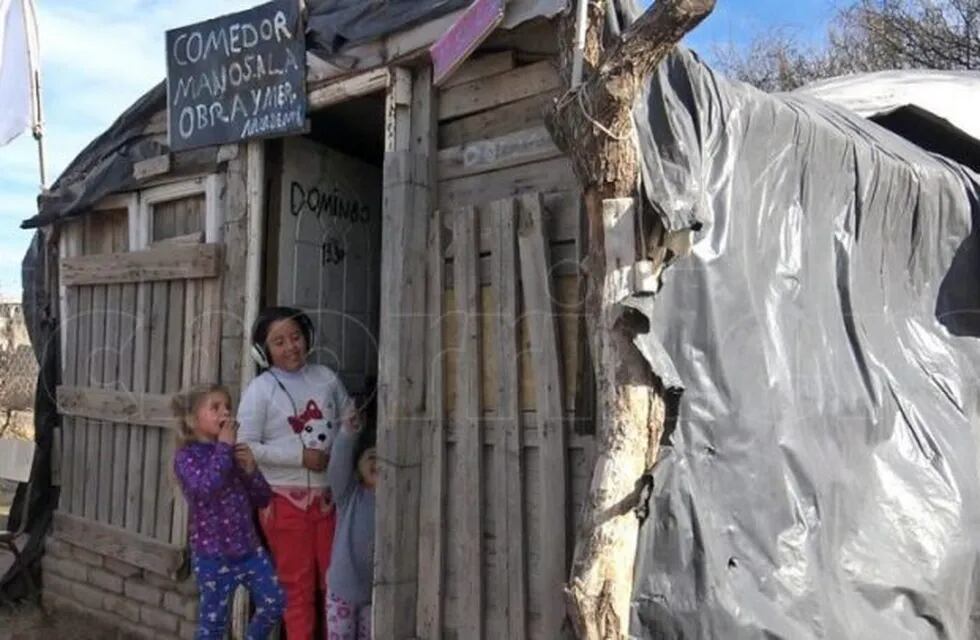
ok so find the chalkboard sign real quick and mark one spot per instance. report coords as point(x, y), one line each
point(237, 77)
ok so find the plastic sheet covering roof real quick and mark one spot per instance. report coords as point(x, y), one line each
point(820, 474)
point(951, 95)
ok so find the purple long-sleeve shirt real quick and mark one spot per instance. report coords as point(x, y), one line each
point(221, 498)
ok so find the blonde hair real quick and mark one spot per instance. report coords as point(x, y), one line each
point(186, 404)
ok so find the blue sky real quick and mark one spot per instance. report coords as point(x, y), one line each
point(98, 57)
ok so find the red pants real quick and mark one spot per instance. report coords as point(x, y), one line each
point(300, 542)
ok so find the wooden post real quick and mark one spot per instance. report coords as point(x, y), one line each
point(593, 124)
point(408, 198)
point(255, 221)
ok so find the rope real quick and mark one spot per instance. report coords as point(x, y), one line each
point(598, 125)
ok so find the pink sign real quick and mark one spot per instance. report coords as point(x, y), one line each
point(464, 37)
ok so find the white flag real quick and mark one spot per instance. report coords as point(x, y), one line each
point(18, 63)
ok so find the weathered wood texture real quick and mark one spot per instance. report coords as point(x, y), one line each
point(509, 357)
point(124, 407)
point(492, 139)
point(341, 90)
point(176, 218)
point(432, 507)
point(468, 523)
point(407, 203)
point(485, 93)
point(138, 330)
point(176, 262)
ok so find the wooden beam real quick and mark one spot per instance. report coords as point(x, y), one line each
point(510, 486)
point(174, 262)
point(432, 553)
point(154, 556)
point(469, 451)
point(538, 296)
point(522, 114)
point(155, 166)
point(152, 409)
point(407, 202)
point(509, 150)
point(340, 90)
point(197, 237)
point(548, 176)
point(487, 93)
point(489, 64)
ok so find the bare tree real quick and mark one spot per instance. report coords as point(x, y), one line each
point(868, 35)
point(592, 123)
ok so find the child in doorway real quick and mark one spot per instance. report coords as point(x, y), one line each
point(223, 487)
point(352, 475)
point(289, 397)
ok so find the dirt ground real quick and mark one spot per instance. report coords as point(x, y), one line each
point(28, 622)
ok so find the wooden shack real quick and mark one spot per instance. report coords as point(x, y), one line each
point(433, 233)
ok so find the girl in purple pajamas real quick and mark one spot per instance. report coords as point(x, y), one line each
point(223, 488)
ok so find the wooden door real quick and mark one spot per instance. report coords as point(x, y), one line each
point(329, 254)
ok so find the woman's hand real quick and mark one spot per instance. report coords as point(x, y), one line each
point(245, 458)
point(228, 432)
point(314, 459)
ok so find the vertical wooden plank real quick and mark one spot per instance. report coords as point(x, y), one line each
point(121, 345)
point(151, 457)
point(209, 350)
point(95, 427)
point(395, 203)
point(510, 484)
point(98, 241)
point(70, 424)
point(137, 434)
point(110, 372)
point(537, 287)
point(431, 573)
point(188, 375)
point(401, 375)
point(80, 463)
point(112, 483)
point(124, 382)
point(469, 424)
point(69, 359)
point(171, 383)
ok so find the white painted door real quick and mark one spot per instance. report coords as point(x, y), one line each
point(330, 254)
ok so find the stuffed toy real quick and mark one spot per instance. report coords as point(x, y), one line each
point(314, 431)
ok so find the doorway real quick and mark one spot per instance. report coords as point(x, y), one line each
point(323, 249)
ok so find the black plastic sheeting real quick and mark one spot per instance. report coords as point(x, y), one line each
point(821, 477)
point(105, 165)
point(42, 326)
point(335, 24)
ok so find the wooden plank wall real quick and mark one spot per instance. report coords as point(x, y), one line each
point(125, 338)
point(508, 450)
point(177, 218)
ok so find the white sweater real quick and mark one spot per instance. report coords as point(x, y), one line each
point(264, 412)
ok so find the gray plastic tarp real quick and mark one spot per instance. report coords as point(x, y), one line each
point(821, 480)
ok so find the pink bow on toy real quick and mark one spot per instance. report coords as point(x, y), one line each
point(312, 413)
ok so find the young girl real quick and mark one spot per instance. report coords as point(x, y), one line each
point(223, 488)
point(350, 574)
point(287, 396)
